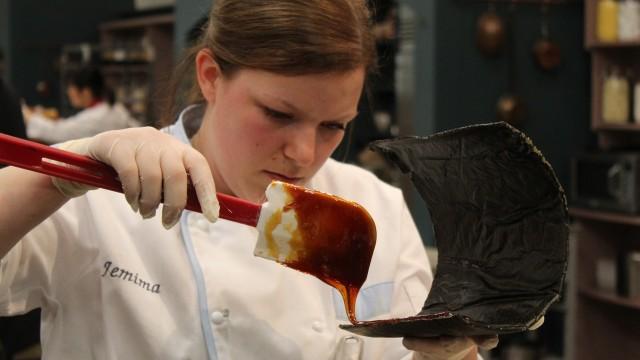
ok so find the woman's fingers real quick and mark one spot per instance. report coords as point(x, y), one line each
point(148, 160)
point(174, 179)
point(444, 347)
point(537, 323)
point(487, 342)
point(153, 168)
point(120, 154)
point(202, 181)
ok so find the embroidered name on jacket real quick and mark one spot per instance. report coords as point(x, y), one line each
point(119, 273)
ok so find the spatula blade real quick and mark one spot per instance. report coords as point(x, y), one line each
point(323, 235)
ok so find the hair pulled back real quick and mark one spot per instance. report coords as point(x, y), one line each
point(288, 37)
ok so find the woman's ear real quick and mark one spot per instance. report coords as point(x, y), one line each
point(207, 72)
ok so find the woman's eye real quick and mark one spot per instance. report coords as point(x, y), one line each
point(335, 126)
point(275, 114)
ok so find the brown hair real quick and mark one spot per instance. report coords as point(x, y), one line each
point(289, 37)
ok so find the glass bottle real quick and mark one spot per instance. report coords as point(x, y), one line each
point(628, 20)
point(615, 98)
point(607, 20)
point(636, 102)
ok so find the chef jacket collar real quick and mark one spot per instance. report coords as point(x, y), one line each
point(188, 123)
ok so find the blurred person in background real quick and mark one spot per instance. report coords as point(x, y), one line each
point(99, 112)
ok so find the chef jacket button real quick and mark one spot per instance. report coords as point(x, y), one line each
point(317, 326)
point(217, 317)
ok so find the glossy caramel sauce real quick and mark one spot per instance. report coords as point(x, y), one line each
point(334, 241)
point(272, 245)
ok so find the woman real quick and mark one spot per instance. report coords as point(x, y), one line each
point(98, 112)
point(277, 83)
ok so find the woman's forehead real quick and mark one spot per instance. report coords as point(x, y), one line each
point(339, 93)
point(275, 83)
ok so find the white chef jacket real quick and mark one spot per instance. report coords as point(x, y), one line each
point(88, 122)
point(114, 286)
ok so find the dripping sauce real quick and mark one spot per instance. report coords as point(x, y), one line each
point(334, 241)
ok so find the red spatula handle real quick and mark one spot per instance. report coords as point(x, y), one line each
point(41, 158)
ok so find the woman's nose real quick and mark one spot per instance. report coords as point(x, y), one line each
point(301, 146)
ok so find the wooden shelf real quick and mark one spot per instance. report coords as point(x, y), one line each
point(533, 2)
point(605, 216)
point(616, 127)
point(596, 44)
point(165, 19)
point(604, 325)
point(611, 298)
point(126, 67)
point(149, 60)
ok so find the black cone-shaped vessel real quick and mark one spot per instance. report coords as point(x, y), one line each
point(500, 221)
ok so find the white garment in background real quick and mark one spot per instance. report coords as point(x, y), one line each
point(88, 122)
point(114, 286)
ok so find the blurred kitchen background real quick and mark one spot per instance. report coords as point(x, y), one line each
point(562, 71)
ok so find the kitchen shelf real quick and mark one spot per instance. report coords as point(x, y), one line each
point(604, 325)
point(137, 23)
point(126, 67)
point(137, 60)
point(533, 2)
point(616, 127)
point(605, 216)
point(596, 44)
point(611, 298)
point(603, 60)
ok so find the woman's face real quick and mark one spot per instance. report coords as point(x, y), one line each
point(262, 126)
point(79, 98)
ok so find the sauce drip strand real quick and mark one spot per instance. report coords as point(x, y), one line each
point(334, 241)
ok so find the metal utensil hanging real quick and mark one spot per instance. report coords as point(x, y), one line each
point(510, 106)
point(490, 32)
point(546, 52)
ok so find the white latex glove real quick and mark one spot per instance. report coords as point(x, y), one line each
point(447, 347)
point(537, 324)
point(453, 348)
point(150, 165)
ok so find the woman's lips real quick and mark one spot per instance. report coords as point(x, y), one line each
point(282, 177)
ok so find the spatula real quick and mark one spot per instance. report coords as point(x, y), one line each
point(320, 234)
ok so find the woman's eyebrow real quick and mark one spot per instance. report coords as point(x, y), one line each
point(292, 109)
point(288, 105)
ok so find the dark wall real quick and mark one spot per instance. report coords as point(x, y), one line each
point(464, 86)
point(37, 30)
point(557, 103)
point(4, 33)
point(188, 13)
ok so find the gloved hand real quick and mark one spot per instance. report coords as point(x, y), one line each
point(448, 347)
point(453, 348)
point(150, 165)
point(537, 324)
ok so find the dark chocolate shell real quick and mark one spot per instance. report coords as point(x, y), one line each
point(500, 222)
